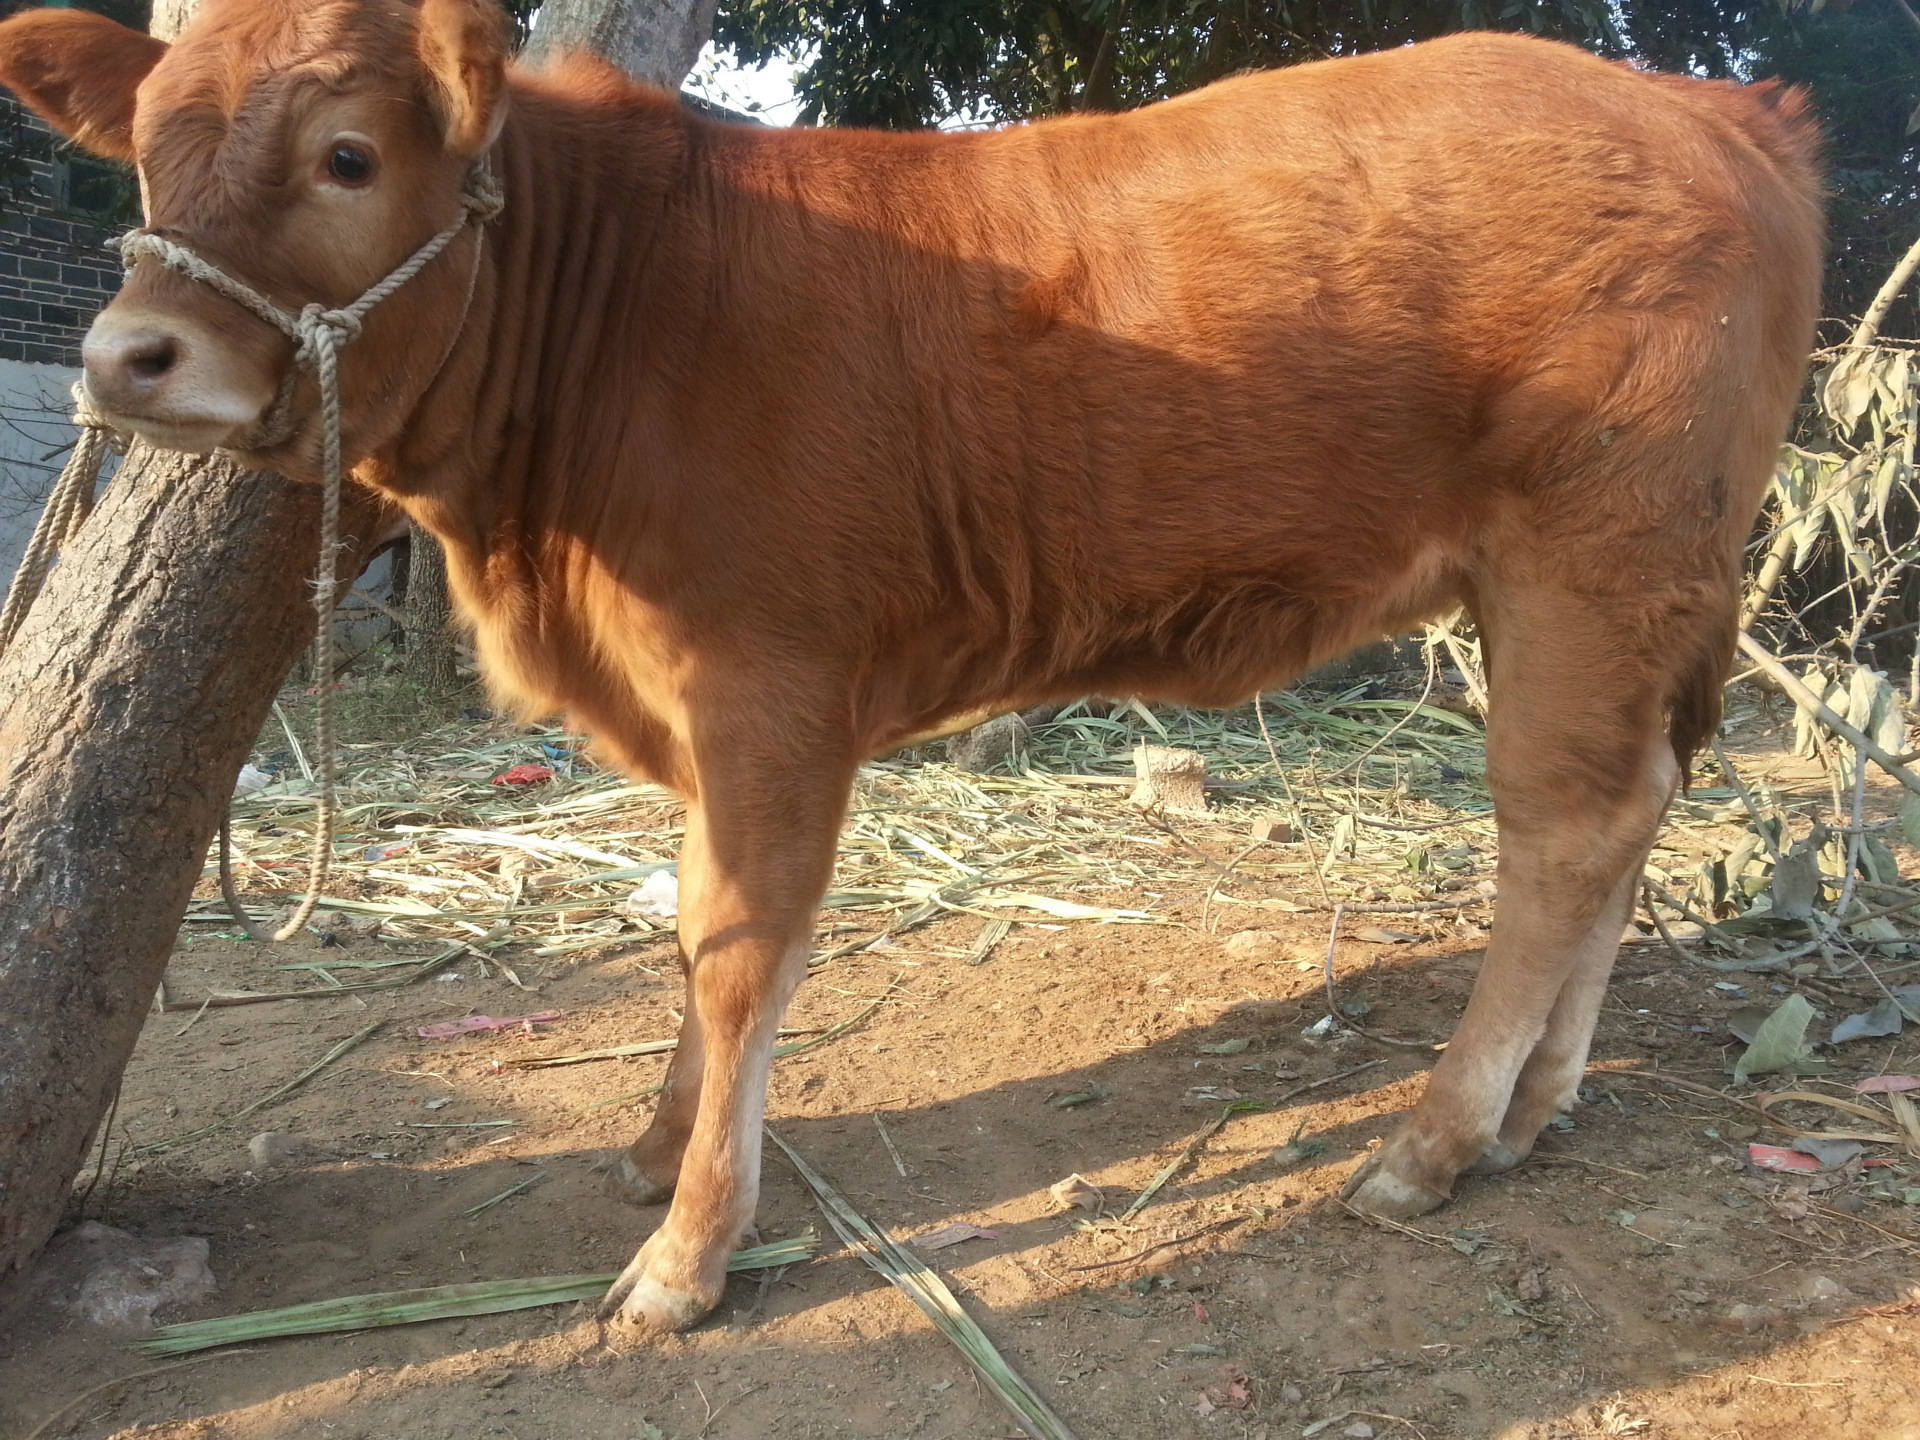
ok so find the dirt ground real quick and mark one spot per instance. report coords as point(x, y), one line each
point(1591, 1293)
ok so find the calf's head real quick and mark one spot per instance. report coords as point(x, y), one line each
point(304, 149)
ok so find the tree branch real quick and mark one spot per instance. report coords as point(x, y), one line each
point(1809, 702)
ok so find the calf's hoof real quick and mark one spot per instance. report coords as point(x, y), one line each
point(634, 1185)
point(643, 1303)
point(1497, 1159)
point(1375, 1190)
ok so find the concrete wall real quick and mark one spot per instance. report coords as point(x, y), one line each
point(35, 433)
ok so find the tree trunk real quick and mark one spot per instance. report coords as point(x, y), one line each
point(127, 704)
point(429, 634)
point(655, 40)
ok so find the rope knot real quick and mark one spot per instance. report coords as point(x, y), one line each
point(482, 195)
point(84, 415)
point(316, 320)
point(93, 423)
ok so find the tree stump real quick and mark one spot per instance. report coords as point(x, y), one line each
point(1170, 779)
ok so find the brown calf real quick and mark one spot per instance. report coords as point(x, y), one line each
point(758, 451)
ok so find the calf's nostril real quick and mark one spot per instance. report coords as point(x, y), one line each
point(150, 357)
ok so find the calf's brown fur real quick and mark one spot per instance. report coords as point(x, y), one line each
point(758, 451)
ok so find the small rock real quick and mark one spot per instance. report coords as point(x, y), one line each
point(987, 746)
point(1822, 1292)
point(1277, 831)
point(1750, 1319)
point(347, 927)
point(117, 1280)
point(1359, 1430)
point(272, 1149)
point(1292, 1394)
point(1255, 944)
point(1660, 1225)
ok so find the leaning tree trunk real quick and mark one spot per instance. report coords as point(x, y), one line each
point(127, 704)
point(655, 40)
point(429, 630)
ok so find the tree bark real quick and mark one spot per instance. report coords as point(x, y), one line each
point(655, 40)
point(170, 17)
point(429, 634)
point(127, 704)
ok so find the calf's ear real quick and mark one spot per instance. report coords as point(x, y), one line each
point(463, 45)
point(78, 72)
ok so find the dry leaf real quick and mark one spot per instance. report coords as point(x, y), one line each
point(1076, 1192)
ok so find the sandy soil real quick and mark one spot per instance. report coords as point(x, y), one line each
point(1588, 1294)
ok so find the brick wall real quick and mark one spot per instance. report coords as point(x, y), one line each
point(55, 220)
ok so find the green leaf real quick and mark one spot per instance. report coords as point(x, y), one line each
point(1910, 817)
point(433, 1302)
point(1780, 1044)
point(1226, 1047)
point(1807, 731)
point(1890, 472)
point(1877, 862)
point(1796, 880)
point(1340, 844)
point(1847, 389)
point(1874, 706)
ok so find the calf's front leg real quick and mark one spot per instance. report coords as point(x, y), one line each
point(755, 862)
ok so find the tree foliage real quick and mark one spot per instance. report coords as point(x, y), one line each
point(888, 64)
point(894, 65)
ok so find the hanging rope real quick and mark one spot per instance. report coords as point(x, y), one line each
point(67, 507)
point(318, 332)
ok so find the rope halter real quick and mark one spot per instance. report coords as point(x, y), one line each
point(318, 332)
point(67, 505)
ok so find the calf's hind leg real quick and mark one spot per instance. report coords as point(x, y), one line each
point(1580, 769)
point(1550, 1079)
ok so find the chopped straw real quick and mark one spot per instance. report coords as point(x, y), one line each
point(440, 856)
point(434, 1302)
point(910, 1275)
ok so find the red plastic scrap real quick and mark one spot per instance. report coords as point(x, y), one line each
point(525, 775)
point(484, 1024)
point(1886, 1084)
point(1779, 1157)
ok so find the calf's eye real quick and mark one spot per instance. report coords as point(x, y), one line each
point(350, 165)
